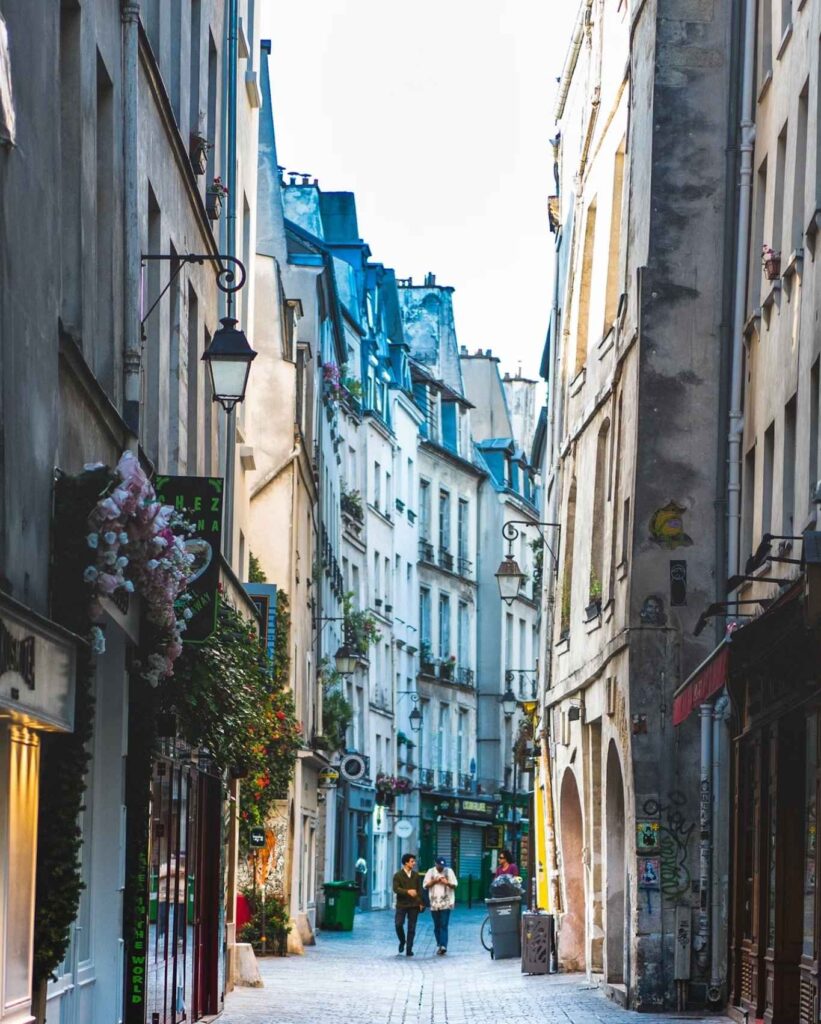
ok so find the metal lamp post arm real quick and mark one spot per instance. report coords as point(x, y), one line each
point(226, 274)
point(512, 534)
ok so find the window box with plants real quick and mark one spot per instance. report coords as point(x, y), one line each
point(198, 147)
point(214, 196)
point(771, 261)
point(447, 669)
point(593, 609)
point(360, 628)
point(427, 663)
point(351, 504)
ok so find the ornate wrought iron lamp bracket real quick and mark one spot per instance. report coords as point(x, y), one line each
point(229, 268)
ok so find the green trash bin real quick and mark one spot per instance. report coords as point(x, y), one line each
point(340, 902)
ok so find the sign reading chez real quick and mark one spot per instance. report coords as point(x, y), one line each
point(199, 499)
point(36, 669)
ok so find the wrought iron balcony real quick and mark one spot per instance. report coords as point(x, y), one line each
point(465, 676)
point(465, 782)
point(446, 559)
point(426, 778)
point(426, 552)
point(465, 567)
point(444, 779)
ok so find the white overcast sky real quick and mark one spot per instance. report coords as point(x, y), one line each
point(437, 114)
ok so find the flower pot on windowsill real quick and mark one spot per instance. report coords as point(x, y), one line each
point(213, 204)
point(771, 261)
point(198, 152)
point(772, 268)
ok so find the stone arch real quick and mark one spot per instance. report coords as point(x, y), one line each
point(572, 936)
point(615, 875)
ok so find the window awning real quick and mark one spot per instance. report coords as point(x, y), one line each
point(710, 676)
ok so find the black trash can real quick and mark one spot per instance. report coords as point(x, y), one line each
point(505, 926)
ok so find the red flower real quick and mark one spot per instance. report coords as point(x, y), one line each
point(281, 716)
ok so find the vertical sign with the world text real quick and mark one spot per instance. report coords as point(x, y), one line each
point(199, 499)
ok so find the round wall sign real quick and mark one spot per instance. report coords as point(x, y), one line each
point(353, 767)
point(403, 828)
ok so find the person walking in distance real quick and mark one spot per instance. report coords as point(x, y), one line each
point(440, 881)
point(506, 865)
point(407, 887)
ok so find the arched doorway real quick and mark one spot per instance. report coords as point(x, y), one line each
point(614, 923)
point(571, 938)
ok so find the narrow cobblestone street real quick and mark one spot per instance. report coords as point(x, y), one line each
point(358, 978)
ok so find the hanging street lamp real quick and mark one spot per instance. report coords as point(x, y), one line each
point(229, 358)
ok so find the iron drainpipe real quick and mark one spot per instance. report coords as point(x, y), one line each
point(230, 248)
point(745, 174)
point(702, 940)
point(131, 220)
point(719, 876)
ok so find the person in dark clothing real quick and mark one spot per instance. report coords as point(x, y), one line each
point(407, 887)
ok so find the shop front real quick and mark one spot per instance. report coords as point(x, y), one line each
point(37, 687)
point(354, 821)
point(775, 931)
point(467, 833)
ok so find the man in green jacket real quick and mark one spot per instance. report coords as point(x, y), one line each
point(407, 887)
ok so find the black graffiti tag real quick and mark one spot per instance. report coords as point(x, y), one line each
point(674, 839)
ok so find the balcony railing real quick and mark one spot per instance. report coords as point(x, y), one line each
point(427, 778)
point(444, 779)
point(465, 782)
point(446, 559)
point(465, 566)
point(426, 552)
point(465, 676)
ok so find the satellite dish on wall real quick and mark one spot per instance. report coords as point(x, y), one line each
point(353, 767)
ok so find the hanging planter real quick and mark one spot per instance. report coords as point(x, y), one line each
point(214, 195)
point(198, 147)
point(771, 261)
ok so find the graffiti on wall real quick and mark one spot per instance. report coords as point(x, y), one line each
point(667, 527)
point(673, 845)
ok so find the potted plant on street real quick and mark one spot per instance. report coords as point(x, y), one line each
point(771, 260)
point(214, 196)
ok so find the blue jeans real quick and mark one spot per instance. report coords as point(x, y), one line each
point(440, 926)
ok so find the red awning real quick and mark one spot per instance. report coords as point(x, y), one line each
point(707, 680)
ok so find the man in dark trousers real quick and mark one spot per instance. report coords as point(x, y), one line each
point(407, 887)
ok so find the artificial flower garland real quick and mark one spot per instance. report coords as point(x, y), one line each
point(137, 545)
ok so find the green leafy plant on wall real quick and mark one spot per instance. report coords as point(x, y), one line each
point(360, 627)
point(595, 586)
point(337, 712)
point(233, 700)
point(65, 756)
point(255, 571)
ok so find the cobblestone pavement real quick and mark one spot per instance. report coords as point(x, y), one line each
point(358, 978)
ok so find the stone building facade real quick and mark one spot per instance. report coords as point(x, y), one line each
point(120, 126)
point(633, 477)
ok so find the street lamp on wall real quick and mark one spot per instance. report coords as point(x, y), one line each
point(415, 717)
point(509, 703)
point(345, 661)
point(229, 358)
point(509, 575)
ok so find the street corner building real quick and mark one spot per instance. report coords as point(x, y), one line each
point(632, 470)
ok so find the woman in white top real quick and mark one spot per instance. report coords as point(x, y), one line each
point(440, 882)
